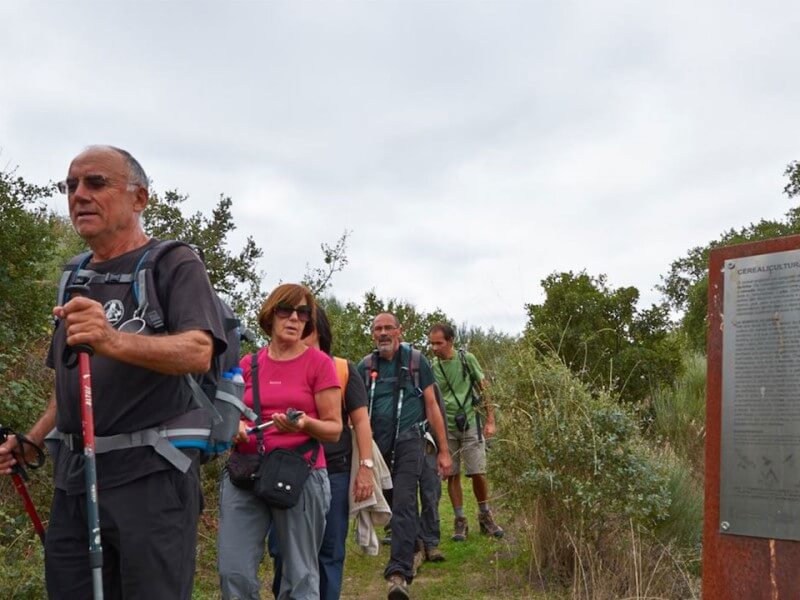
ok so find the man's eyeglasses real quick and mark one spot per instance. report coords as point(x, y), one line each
point(95, 183)
point(284, 311)
point(384, 328)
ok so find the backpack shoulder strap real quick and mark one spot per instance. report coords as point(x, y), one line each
point(465, 368)
point(413, 364)
point(370, 364)
point(342, 372)
point(75, 264)
point(144, 284)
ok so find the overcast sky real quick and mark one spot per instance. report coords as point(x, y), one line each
point(471, 148)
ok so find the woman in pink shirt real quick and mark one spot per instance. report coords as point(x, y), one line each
point(290, 375)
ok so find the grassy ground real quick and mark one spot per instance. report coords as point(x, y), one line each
point(479, 568)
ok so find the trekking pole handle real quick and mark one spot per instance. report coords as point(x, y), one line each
point(261, 427)
point(80, 290)
point(291, 413)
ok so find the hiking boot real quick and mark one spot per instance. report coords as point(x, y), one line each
point(460, 529)
point(419, 558)
point(433, 554)
point(387, 536)
point(398, 588)
point(488, 526)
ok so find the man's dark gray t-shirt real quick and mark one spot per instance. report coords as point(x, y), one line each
point(128, 398)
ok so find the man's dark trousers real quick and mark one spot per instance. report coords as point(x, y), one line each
point(161, 539)
point(430, 492)
point(406, 478)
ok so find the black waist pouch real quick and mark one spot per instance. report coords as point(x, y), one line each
point(282, 475)
point(242, 469)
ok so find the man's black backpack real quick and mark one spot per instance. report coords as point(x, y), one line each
point(218, 397)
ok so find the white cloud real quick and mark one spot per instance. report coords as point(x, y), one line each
point(472, 148)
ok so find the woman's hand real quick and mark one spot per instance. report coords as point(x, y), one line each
point(362, 488)
point(241, 436)
point(290, 424)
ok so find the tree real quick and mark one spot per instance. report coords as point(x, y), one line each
point(601, 335)
point(234, 275)
point(26, 247)
point(34, 245)
point(490, 347)
point(686, 284)
point(318, 279)
point(792, 172)
point(351, 323)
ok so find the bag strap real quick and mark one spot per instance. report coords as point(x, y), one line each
point(460, 404)
point(465, 368)
point(305, 447)
point(256, 399)
point(343, 373)
point(473, 383)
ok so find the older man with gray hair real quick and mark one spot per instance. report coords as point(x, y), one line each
point(400, 389)
point(148, 505)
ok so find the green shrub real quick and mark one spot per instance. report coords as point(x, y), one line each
point(578, 450)
point(589, 491)
point(679, 412)
point(683, 527)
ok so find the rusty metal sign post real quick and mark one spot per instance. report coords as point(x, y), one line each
point(752, 489)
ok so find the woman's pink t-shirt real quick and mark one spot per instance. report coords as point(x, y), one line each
point(285, 384)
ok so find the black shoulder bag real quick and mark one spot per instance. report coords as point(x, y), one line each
point(282, 473)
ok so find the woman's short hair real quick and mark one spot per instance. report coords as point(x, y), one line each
point(287, 293)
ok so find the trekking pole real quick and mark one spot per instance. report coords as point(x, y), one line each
point(19, 477)
point(84, 351)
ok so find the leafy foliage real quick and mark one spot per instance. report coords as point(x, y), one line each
point(600, 334)
point(571, 459)
point(686, 284)
point(490, 347)
point(234, 275)
point(351, 323)
point(28, 236)
point(318, 279)
point(792, 172)
point(679, 412)
point(579, 451)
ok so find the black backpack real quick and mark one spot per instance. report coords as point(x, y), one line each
point(218, 398)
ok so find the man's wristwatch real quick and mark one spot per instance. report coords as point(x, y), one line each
point(366, 462)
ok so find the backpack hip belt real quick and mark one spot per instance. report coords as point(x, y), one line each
point(189, 430)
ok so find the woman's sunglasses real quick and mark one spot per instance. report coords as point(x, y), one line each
point(284, 311)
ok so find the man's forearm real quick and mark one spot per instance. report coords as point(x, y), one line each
point(361, 427)
point(45, 424)
point(488, 405)
point(174, 354)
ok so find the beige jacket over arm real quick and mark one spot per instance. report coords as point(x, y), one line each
point(374, 511)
